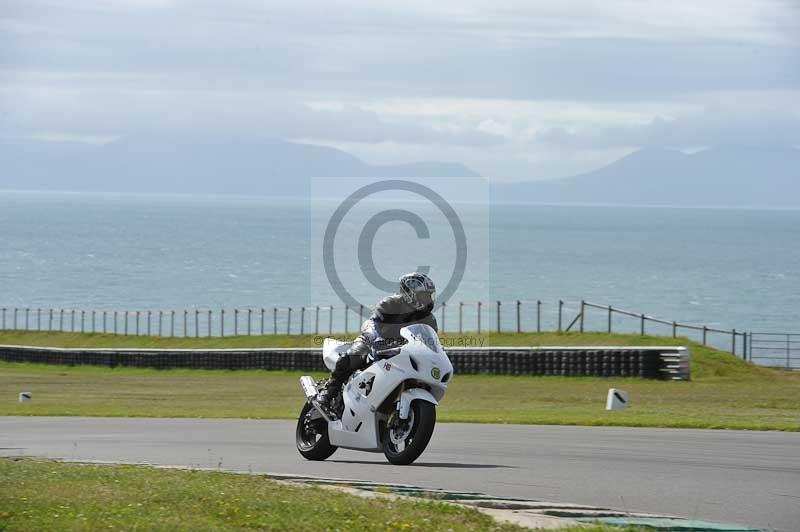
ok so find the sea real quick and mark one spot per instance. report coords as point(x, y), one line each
point(719, 267)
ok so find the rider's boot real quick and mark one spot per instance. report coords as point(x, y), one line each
point(332, 389)
point(326, 396)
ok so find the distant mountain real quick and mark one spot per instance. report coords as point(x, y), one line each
point(205, 164)
point(194, 164)
point(722, 176)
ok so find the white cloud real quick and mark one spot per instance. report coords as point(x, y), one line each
point(117, 113)
point(713, 126)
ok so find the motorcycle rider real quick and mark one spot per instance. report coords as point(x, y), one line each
point(413, 304)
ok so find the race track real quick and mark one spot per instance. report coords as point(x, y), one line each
point(747, 478)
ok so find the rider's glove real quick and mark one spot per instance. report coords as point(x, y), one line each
point(379, 343)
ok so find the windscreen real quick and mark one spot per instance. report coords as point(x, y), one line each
point(422, 333)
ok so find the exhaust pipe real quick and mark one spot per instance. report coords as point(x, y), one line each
point(309, 386)
point(310, 389)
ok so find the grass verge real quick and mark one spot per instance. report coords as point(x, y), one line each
point(45, 495)
point(725, 392)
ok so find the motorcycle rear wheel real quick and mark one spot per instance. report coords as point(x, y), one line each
point(313, 446)
point(414, 438)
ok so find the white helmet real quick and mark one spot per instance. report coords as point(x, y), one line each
point(418, 290)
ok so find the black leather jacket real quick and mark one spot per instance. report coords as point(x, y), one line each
point(392, 314)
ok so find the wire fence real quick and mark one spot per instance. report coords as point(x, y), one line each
point(775, 349)
point(462, 317)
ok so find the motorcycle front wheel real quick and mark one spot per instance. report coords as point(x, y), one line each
point(311, 435)
point(404, 440)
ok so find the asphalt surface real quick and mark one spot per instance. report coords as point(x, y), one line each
point(738, 477)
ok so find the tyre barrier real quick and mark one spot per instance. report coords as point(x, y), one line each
point(671, 363)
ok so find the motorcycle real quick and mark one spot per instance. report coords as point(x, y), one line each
point(388, 407)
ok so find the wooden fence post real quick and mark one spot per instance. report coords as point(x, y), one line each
point(749, 346)
point(538, 316)
point(610, 310)
point(583, 309)
point(674, 329)
point(249, 316)
point(316, 319)
point(171, 323)
point(560, 308)
point(744, 345)
point(222, 322)
point(289, 321)
point(302, 320)
point(705, 333)
point(274, 320)
point(498, 316)
point(733, 341)
point(479, 317)
point(519, 324)
point(641, 327)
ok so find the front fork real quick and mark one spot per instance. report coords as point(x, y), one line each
point(394, 417)
point(400, 391)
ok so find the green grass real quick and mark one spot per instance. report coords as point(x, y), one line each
point(724, 393)
point(44, 495)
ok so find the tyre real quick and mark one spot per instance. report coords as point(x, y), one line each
point(311, 435)
point(404, 441)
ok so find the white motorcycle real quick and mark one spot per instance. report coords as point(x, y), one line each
point(390, 406)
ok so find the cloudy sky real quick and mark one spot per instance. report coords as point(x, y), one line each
point(515, 90)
